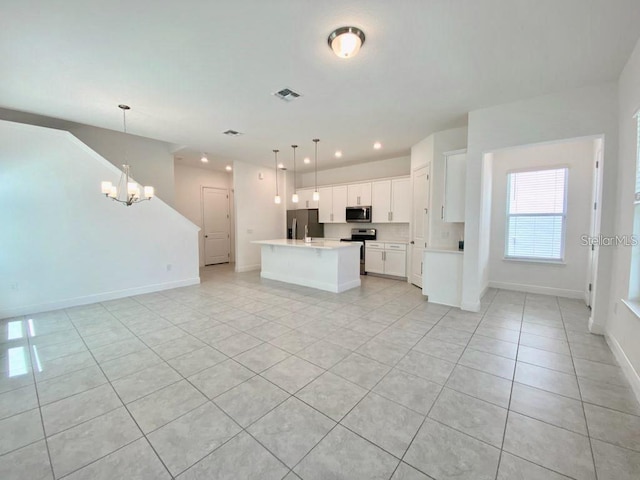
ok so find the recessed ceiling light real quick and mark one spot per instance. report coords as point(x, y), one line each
point(346, 41)
point(338, 154)
point(307, 160)
point(204, 159)
point(228, 168)
point(377, 145)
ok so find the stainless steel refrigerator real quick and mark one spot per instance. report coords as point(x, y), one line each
point(308, 217)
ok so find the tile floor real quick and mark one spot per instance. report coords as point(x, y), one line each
point(240, 378)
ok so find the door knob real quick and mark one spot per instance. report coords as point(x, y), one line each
point(412, 242)
point(206, 236)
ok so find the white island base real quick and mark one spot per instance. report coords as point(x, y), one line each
point(326, 265)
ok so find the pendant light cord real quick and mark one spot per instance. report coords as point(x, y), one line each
point(295, 187)
point(316, 140)
point(276, 155)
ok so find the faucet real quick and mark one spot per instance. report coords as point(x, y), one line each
point(307, 238)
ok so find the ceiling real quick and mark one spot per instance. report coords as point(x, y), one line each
point(193, 69)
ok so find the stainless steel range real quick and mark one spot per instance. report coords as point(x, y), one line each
point(360, 235)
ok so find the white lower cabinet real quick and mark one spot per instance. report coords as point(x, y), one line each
point(386, 258)
point(442, 276)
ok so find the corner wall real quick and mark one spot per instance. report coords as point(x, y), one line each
point(257, 216)
point(623, 326)
point(569, 278)
point(62, 243)
point(189, 182)
point(584, 112)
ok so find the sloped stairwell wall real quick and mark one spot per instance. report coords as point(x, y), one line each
point(62, 243)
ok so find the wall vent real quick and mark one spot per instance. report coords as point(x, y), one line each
point(232, 133)
point(286, 94)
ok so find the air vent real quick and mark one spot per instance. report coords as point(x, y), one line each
point(232, 133)
point(287, 94)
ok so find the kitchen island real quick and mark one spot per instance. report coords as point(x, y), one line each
point(327, 265)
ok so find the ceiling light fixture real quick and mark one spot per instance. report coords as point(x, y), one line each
point(294, 197)
point(204, 158)
point(307, 160)
point(117, 193)
point(277, 200)
point(377, 146)
point(281, 166)
point(346, 41)
point(228, 168)
point(316, 195)
point(338, 154)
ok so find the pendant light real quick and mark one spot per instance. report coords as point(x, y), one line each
point(277, 200)
point(316, 195)
point(127, 191)
point(294, 197)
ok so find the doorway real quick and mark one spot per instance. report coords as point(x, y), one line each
point(420, 222)
point(216, 225)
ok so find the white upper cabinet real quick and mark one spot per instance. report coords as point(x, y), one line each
point(339, 195)
point(359, 194)
point(332, 204)
point(454, 187)
point(325, 212)
point(306, 199)
point(381, 201)
point(391, 201)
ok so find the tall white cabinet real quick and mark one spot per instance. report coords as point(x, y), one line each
point(455, 168)
point(359, 194)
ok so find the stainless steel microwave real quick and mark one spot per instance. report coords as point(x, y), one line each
point(358, 214)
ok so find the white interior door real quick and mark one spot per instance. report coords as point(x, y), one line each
point(420, 222)
point(590, 289)
point(215, 212)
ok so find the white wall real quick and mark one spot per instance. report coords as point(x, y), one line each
point(623, 326)
point(569, 278)
point(391, 167)
point(151, 160)
point(589, 111)
point(257, 216)
point(189, 182)
point(62, 243)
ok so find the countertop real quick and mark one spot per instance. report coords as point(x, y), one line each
point(387, 240)
point(444, 250)
point(319, 243)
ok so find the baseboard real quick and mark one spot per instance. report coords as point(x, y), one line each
point(594, 327)
point(95, 298)
point(247, 268)
point(556, 292)
point(470, 306)
point(625, 363)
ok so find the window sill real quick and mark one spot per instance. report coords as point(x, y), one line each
point(559, 263)
point(634, 306)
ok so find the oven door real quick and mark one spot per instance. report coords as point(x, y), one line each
point(358, 214)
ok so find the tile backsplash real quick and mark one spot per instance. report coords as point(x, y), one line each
point(385, 231)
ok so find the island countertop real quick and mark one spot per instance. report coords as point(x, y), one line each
point(318, 243)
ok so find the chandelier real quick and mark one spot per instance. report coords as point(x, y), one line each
point(127, 191)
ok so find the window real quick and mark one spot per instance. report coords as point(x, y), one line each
point(536, 214)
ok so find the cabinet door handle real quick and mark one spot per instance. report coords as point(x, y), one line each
point(391, 213)
point(358, 201)
point(389, 216)
point(442, 213)
point(307, 203)
point(331, 217)
point(420, 268)
point(384, 256)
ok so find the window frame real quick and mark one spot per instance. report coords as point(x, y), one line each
point(563, 235)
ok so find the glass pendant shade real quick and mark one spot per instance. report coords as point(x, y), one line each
point(277, 200)
point(316, 196)
point(295, 198)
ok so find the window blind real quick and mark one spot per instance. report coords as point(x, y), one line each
point(536, 214)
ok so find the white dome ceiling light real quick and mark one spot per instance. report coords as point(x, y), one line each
point(346, 41)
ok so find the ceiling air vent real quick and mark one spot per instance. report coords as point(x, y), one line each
point(287, 94)
point(232, 133)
